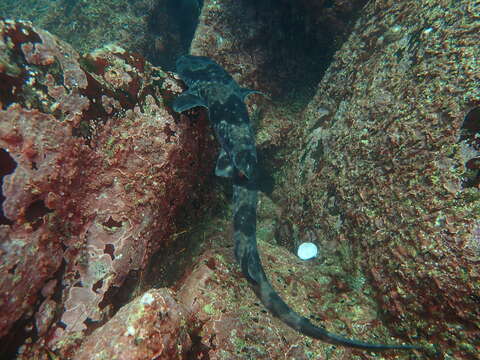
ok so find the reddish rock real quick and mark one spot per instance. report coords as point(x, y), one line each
point(153, 326)
point(384, 177)
point(101, 169)
point(92, 24)
point(235, 325)
point(160, 30)
point(29, 259)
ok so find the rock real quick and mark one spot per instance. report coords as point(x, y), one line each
point(236, 325)
point(278, 47)
point(384, 164)
point(153, 325)
point(99, 168)
point(380, 170)
point(89, 25)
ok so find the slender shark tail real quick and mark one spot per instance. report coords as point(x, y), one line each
point(246, 252)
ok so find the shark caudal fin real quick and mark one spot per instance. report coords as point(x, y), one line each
point(275, 304)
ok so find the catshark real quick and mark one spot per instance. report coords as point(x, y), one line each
point(213, 88)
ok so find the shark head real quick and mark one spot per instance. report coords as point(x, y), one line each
point(210, 86)
point(193, 69)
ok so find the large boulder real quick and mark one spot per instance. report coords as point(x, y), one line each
point(389, 166)
point(97, 167)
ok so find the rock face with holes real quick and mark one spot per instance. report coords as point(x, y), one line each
point(389, 165)
point(95, 168)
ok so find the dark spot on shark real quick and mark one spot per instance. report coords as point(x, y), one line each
point(246, 161)
point(245, 220)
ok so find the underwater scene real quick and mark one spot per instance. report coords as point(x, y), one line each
point(240, 179)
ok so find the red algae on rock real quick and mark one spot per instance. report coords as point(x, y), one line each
point(102, 168)
point(235, 325)
point(152, 326)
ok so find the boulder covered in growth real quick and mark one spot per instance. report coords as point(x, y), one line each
point(95, 168)
point(87, 25)
point(389, 166)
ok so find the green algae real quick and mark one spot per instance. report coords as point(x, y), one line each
point(209, 309)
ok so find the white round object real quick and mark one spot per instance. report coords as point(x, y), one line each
point(307, 251)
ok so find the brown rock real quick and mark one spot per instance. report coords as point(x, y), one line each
point(384, 166)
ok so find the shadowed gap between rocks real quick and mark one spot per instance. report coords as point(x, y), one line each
point(7, 166)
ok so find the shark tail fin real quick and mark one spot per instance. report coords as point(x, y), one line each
point(280, 309)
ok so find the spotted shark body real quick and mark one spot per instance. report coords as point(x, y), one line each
point(210, 86)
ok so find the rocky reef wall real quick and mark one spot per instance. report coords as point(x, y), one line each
point(381, 170)
point(95, 168)
point(389, 166)
point(279, 47)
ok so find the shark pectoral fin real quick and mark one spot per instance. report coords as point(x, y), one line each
point(246, 91)
point(186, 101)
point(224, 166)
